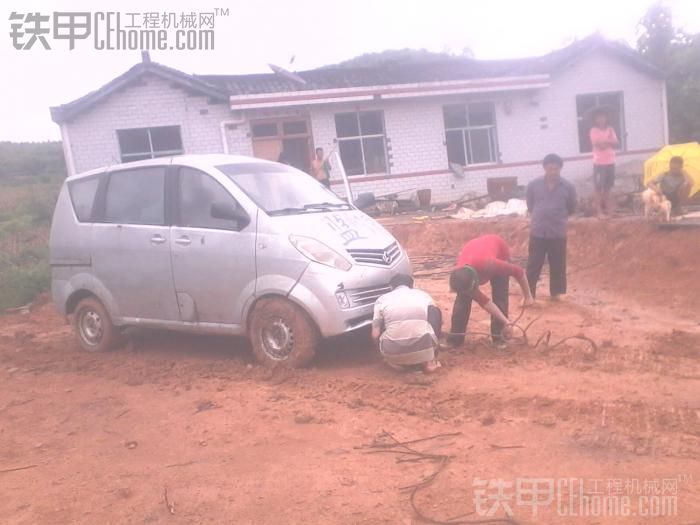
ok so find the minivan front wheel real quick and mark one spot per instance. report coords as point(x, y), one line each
point(282, 334)
point(93, 327)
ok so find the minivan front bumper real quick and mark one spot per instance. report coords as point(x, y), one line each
point(340, 301)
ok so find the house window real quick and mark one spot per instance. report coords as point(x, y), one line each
point(584, 105)
point(264, 129)
point(294, 127)
point(149, 143)
point(470, 132)
point(361, 142)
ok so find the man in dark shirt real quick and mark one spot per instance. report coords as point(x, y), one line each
point(675, 184)
point(550, 201)
point(485, 258)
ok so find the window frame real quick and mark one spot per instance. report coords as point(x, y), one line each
point(580, 119)
point(492, 129)
point(279, 125)
point(360, 138)
point(135, 157)
point(177, 209)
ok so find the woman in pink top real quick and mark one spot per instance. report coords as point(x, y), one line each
point(604, 141)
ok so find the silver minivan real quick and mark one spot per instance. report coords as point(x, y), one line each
point(216, 244)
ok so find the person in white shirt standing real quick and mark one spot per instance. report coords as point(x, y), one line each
point(407, 325)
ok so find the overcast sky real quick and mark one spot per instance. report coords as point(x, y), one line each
point(316, 32)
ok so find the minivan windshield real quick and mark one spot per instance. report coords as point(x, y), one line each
point(282, 190)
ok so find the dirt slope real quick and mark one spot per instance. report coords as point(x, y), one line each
point(104, 436)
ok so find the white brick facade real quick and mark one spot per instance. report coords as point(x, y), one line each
point(151, 102)
point(529, 125)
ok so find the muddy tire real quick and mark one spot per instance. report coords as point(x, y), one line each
point(93, 327)
point(282, 334)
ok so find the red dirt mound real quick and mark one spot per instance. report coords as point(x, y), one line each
point(632, 257)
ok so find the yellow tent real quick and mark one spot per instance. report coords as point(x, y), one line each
point(658, 164)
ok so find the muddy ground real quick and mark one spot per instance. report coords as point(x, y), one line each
point(104, 438)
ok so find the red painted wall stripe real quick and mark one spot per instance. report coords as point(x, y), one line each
point(372, 178)
point(300, 97)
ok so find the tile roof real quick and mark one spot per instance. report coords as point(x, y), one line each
point(189, 82)
point(221, 87)
point(447, 69)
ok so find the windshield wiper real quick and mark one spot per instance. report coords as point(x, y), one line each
point(326, 205)
point(310, 208)
point(287, 211)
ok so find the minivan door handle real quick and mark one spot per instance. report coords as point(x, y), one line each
point(158, 239)
point(184, 241)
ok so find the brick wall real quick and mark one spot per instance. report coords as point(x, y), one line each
point(529, 125)
point(152, 102)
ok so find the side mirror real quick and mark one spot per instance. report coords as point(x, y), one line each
point(229, 212)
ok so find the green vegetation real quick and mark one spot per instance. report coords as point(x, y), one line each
point(22, 278)
point(30, 177)
point(30, 162)
point(392, 57)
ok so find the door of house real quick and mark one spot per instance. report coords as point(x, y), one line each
point(268, 149)
point(285, 140)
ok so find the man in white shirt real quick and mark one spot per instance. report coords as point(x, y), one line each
point(407, 325)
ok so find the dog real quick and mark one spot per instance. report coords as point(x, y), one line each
point(656, 202)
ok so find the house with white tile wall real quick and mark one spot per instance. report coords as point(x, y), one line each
point(450, 125)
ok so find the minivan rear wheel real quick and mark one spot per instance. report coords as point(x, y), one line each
point(282, 334)
point(93, 327)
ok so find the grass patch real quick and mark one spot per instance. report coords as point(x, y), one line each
point(25, 216)
point(21, 283)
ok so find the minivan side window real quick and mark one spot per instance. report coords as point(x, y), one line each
point(197, 191)
point(82, 195)
point(136, 196)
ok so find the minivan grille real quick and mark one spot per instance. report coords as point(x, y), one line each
point(368, 295)
point(386, 257)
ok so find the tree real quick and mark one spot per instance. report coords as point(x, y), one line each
point(684, 92)
point(402, 56)
point(677, 55)
point(31, 160)
point(657, 35)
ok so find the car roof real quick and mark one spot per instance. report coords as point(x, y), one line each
point(202, 161)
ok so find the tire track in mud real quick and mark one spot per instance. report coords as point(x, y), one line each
point(172, 363)
point(632, 426)
point(676, 356)
point(618, 424)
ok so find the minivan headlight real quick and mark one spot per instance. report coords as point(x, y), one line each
point(319, 252)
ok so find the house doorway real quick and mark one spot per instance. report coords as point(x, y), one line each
point(285, 140)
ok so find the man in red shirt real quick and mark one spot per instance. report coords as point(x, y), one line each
point(485, 258)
